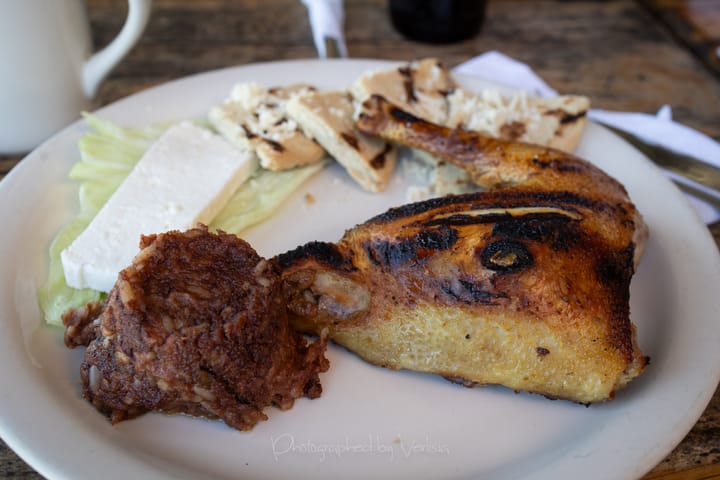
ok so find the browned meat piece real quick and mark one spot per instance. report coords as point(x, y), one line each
point(509, 166)
point(82, 325)
point(195, 325)
point(525, 285)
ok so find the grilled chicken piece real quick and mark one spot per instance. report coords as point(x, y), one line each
point(525, 285)
point(195, 325)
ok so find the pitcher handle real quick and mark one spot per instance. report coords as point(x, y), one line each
point(99, 65)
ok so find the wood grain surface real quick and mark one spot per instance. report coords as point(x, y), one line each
point(695, 23)
point(621, 53)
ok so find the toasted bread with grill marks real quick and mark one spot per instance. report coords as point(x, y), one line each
point(327, 117)
point(254, 118)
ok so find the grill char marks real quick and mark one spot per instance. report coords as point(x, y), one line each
point(558, 231)
point(506, 256)
point(404, 116)
point(411, 249)
point(378, 161)
point(327, 254)
point(277, 146)
point(469, 292)
point(499, 216)
point(514, 199)
point(250, 135)
point(408, 84)
point(350, 139)
point(512, 131)
point(614, 271)
point(567, 117)
point(558, 164)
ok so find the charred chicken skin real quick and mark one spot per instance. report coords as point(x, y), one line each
point(525, 285)
point(196, 325)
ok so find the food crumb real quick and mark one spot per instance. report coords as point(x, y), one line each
point(542, 351)
point(309, 198)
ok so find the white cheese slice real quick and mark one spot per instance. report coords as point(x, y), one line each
point(184, 178)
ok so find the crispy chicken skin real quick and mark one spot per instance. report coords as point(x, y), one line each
point(524, 285)
point(196, 325)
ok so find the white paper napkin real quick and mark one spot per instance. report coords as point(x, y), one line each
point(500, 68)
point(658, 129)
point(326, 21)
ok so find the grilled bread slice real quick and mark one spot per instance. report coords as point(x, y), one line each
point(254, 118)
point(556, 122)
point(327, 117)
point(426, 89)
point(420, 87)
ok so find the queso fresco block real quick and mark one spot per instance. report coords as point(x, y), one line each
point(185, 177)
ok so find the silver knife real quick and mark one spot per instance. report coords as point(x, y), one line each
point(690, 174)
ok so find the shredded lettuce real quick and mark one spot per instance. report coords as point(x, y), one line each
point(259, 197)
point(55, 297)
point(108, 152)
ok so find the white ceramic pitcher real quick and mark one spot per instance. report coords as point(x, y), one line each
point(48, 73)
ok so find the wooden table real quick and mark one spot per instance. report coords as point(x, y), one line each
point(620, 53)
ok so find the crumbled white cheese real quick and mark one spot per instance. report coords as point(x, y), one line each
point(253, 113)
point(338, 112)
point(248, 94)
point(184, 178)
point(489, 111)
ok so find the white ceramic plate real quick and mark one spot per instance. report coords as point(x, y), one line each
point(370, 422)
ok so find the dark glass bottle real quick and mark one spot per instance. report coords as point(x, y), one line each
point(437, 21)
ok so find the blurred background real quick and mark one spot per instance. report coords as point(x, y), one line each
point(624, 54)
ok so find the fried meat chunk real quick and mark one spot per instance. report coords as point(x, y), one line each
point(525, 284)
point(196, 325)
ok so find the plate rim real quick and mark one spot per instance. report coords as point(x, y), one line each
point(25, 451)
